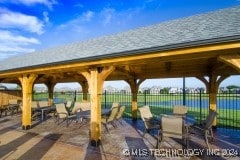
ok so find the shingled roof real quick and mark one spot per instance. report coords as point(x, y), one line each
point(213, 27)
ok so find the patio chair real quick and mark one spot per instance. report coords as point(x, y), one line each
point(180, 110)
point(62, 113)
point(35, 111)
point(81, 106)
point(43, 104)
point(120, 114)
point(13, 105)
point(69, 105)
point(173, 127)
point(3, 108)
point(207, 126)
point(13, 101)
point(150, 122)
point(115, 104)
point(110, 119)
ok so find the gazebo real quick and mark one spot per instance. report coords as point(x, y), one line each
point(205, 46)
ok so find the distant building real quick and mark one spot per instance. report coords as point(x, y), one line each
point(110, 89)
point(2, 87)
point(174, 90)
point(64, 89)
point(155, 90)
point(40, 89)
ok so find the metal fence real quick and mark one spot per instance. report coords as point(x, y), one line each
point(228, 104)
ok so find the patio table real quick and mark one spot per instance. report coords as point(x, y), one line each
point(45, 109)
point(87, 114)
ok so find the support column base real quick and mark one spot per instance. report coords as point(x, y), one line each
point(95, 143)
point(27, 127)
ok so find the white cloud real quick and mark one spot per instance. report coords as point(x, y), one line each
point(77, 24)
point(15, 20)
point(108, 14)
point(13, 44)
point(87, 16)
point(46, 18)
point(79, 5)
point(48, 3)
point(14, 50)
point(9, 37)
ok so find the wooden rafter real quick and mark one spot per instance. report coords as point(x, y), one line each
point(233, 60)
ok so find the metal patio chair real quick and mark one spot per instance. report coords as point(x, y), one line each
point(62, 113)
point(180, 110)
point(150, 122)
point(173, 127)
point(207, 126)
point(120, 114)
point(110, 119)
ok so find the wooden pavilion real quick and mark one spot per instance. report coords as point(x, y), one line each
point(205, 46)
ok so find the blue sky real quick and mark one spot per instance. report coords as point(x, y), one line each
point(30, 25)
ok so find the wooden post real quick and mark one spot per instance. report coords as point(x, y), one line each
point(84, 85)
point(95, 78)
point(212, 88)
point(27, 82)
point(134, 84)
point(50, 86)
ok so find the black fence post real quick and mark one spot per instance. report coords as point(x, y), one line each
point(105, 99)
point(75, 96)
point(184, 92)
point(200, 103)
point(145, 97)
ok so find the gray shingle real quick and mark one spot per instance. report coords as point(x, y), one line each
point(210, 26)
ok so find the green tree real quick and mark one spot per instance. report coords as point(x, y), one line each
point(232, 88)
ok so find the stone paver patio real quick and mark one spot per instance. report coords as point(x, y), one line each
point(47, 140)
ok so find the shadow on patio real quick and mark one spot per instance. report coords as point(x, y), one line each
point(48, 140)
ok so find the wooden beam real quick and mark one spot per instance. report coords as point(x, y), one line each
point(233, 60)
point(126, 71)
point(205, 81)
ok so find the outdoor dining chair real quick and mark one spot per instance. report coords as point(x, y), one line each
point(62, 113)
point(13, 105)
point(115, 104)
point(120, 114)
point(110, 119)
point(207, 126)
point(81, 106)
point(3, 108)
point(35, 112)
point(69, 105)
point(43, 104)
point(172, 127)
point(180, 110)
point(150, 122)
